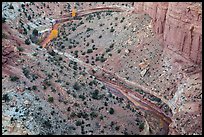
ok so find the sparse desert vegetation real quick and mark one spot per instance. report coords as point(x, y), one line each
point(81, 68)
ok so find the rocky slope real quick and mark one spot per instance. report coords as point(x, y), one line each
point(170, 69)
point(178, 25)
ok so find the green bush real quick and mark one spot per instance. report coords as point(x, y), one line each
point(103, 59)
point(6, 98)
point(73, 28)
point(27, 41)
point(78, 123)
point(112, 30)
point(119, 50)
point(35, 32)
point(117, 128)
point(20, 48)
point(10, 6)
point(76, 86)
point(108, 50)
point(26, 72)
point(141, 126)
point(3, 20)
point(111, 111)
point(50, 99)
point(35, 54)
point(14, 78)
point(34, 87)
point(97, 58)
point(89, 51)
point(4, 36)
point(89, 29)
point(93, 114)
point(29, 17)
point(95, 94)
point(82, 97)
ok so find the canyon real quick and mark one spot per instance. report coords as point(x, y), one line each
point(155, 54)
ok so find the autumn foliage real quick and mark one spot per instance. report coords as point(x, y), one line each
point(73, 13)
point(53, 34)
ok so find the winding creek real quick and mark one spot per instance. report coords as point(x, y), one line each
point(114, 87)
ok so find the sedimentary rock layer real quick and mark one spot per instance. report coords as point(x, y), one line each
point(179, 23)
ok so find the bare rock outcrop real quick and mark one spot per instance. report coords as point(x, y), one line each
point(179, 23)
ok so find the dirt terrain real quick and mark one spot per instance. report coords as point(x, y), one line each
point(107, 72)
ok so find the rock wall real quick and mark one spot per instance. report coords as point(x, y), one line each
point(179, 23)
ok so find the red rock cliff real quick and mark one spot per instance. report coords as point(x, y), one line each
point(179, 23)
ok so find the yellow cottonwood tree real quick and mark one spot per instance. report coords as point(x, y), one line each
point(73, 13)
point(53, 34)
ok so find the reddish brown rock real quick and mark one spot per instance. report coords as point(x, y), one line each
point(179, 23)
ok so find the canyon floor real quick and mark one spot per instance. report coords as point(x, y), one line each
point(105, 73)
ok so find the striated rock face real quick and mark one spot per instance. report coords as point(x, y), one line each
point(179, 23)
point(179, 27)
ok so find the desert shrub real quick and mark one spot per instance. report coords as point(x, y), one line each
point(27, 41)
point(89, 51)
point(76, 86)
point(10, 6)
point(5, 98)
point(117, 128)
point(141, 126)
point(34, 87)
point(93, 114)
point(35, 54)
point(14, 78)
point(4, 36)
point(78, 123)
point(47, 124)
point(26, 72)
point(111, 46)
point(111, 111)
point(82, 97)
point(101, 117)
point(29, 17)
point(119, 50)
point(112, 29)
point(50, 99)
point(73, 28)
point(20, 48)
point(52, 53)
point(35, 32)
point(89, 29)
point(75, 67)
point(108, 50)
point(122, 19)
point(97, 58)
point(70, 46)
point(25, 31)
point(103, 87)
point(3, 20)
point(103, 59)
point(95, 94)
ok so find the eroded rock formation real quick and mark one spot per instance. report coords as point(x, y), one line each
point(180, 25)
